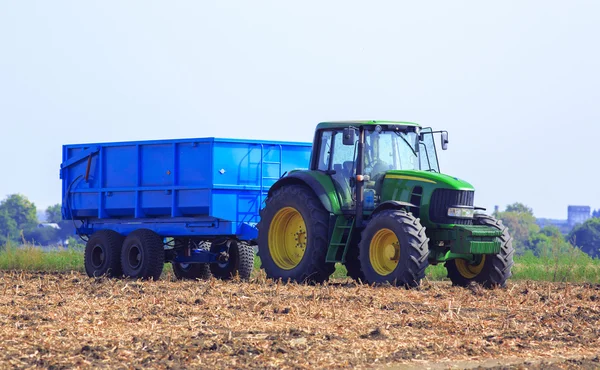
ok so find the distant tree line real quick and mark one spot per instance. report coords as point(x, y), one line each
point(19, 223)
point(528, 236)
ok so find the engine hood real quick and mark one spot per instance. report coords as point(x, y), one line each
point(433, 178)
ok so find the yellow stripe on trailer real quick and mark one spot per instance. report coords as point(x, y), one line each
point(400, 177)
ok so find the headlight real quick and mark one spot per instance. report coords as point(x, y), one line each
point(461, 212)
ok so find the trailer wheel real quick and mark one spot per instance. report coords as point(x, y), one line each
point(491, 270)
point(143, 255)
point(393, 249)
point(103, 254)
point(240, 262)
point(191, 271)
point(293, 236)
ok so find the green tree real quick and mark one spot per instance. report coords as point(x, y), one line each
point(53, 214)
point(8, 228)
point(587, 237)
point(67, 229)
point(519, 208)
point(42, 235)
point(521, 223)
point(21, 210)
point(548, 241)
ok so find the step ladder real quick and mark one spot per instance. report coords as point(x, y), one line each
point(340, 239)
point(263, 173)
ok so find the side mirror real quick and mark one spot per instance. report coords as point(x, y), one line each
point(444, 140)
point(349, 136)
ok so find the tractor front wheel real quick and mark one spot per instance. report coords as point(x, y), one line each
point(490, 270)
point(293, 236)
point(393, 249)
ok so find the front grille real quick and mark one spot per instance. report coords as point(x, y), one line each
point(442, 199)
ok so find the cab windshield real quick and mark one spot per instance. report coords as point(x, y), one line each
point(396, 150)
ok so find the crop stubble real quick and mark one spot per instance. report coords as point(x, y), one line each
point(67, 320)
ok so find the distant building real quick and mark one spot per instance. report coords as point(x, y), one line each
point(578, 214)
point(575, 215)
point(48, 224)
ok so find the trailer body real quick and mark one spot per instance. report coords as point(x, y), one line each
point(202, 188)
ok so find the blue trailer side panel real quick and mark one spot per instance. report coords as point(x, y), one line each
point(201, 187)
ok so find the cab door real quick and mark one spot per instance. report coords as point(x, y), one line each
point(339, 162)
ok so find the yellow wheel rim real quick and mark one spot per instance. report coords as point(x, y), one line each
point(287, 238)
point(384, 251)
point(468, 270)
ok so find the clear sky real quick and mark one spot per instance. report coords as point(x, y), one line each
point(516, 83)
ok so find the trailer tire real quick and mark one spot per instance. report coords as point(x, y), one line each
point(191, 271)
point(143, 255)
point(240, 262)
point(394, 249)
point(492, 270)
point(103, 254)
point(289, 208)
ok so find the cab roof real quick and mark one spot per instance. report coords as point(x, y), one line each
point(338, 124)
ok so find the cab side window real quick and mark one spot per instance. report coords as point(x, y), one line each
point(344, 169)
point(324, 151)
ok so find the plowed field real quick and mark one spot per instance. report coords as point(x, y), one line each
point(69, 320)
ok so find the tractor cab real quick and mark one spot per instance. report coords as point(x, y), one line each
point(374, 147)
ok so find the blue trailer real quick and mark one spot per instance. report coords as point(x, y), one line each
point(192, 202)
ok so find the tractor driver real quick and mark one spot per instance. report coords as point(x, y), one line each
point(375, 167)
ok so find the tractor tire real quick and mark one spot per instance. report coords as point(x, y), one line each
point(103, 254)
point(393, 249)
point(143, 255)
point(493, 269)
point(240, 263)
point(191, 271)
point(353, 264)
point(293, 236)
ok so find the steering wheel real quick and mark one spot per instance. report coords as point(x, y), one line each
point(377, 169)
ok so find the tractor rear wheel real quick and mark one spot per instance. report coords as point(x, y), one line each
point(103, 254)
point(490, 270)
point(393, 249)
point(293, 236)
point(143, 255)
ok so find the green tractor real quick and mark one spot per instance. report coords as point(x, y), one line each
point(375, 200)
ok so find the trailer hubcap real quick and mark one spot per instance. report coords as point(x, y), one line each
point(97, 256)
point(469, 270)
point(287, 238)
point(384, 251)
point(134, 257)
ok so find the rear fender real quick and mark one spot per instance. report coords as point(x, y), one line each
point(320, 184)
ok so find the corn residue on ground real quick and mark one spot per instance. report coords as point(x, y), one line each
point(70, 320)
